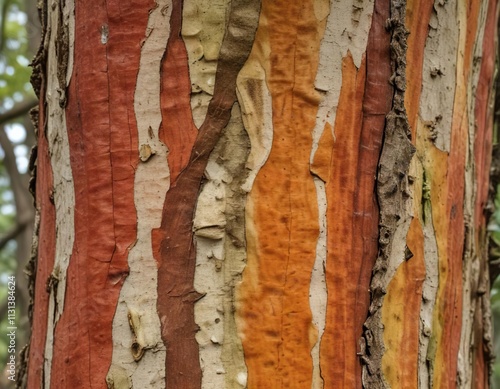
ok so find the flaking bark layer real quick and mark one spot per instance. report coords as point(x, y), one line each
point(177, 255)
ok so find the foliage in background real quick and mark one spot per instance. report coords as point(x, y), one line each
point(495, 310)
point(14, 88)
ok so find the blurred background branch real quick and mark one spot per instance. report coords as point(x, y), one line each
point(19, 40)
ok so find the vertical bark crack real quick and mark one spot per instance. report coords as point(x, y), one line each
point(392, 194)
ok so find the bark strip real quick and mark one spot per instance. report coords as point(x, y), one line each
point(349, 27)
point(482, 356)
point(282, 218)
point(103, 143)
point(177, 255)
point(401, 314)
point(138, 351)
point(352, 235)
point(448, 311)
point(177, 129)
point(44, 243)
point(63, 186)
point(393, 197)
point(340, 366)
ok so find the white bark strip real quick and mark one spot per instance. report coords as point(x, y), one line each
point(209, 225)
point(63, 192)
point(219, 262)
point(137, 302)
point(429, 292)
point(318, 294)
point(439, 72)
point(436, 105)
point(346, 30)
point(257, 116)
point(203, 27)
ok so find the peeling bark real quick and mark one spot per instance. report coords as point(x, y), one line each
point(176, 257)
point(231, 196)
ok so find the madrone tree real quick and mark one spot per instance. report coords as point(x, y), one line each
point(262, 194)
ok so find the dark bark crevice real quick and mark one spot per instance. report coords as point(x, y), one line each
point(392, 194)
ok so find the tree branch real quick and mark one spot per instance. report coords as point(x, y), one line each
point(18, 228)
point(23, 206)
point(18, 110)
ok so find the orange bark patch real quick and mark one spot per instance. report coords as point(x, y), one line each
point(401, 313)
point(282, 224)
point(45, 258)
point(103, 148)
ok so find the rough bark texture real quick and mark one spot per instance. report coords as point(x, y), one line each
point(273, 194)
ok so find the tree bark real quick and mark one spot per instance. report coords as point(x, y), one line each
point(263, 194)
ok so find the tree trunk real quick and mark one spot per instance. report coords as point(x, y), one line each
point(285, 194)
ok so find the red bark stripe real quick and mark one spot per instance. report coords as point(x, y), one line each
point(46, 254)
point(177, 254)
point(377, 103)
point(418, 14)
point(450, 304)
point(178, 130)
point(340, 366)
point(103, 144)
point(353, 252)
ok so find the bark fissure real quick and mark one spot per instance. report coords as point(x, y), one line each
point(393, 198)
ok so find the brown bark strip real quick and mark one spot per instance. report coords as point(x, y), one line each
point(102, 135)
point(177, 254)
point(483, 350)
point(484, 119)
point(43, 250)
point(44, 261)
point(177, 130)
point(401, 309)
point(392, 193)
